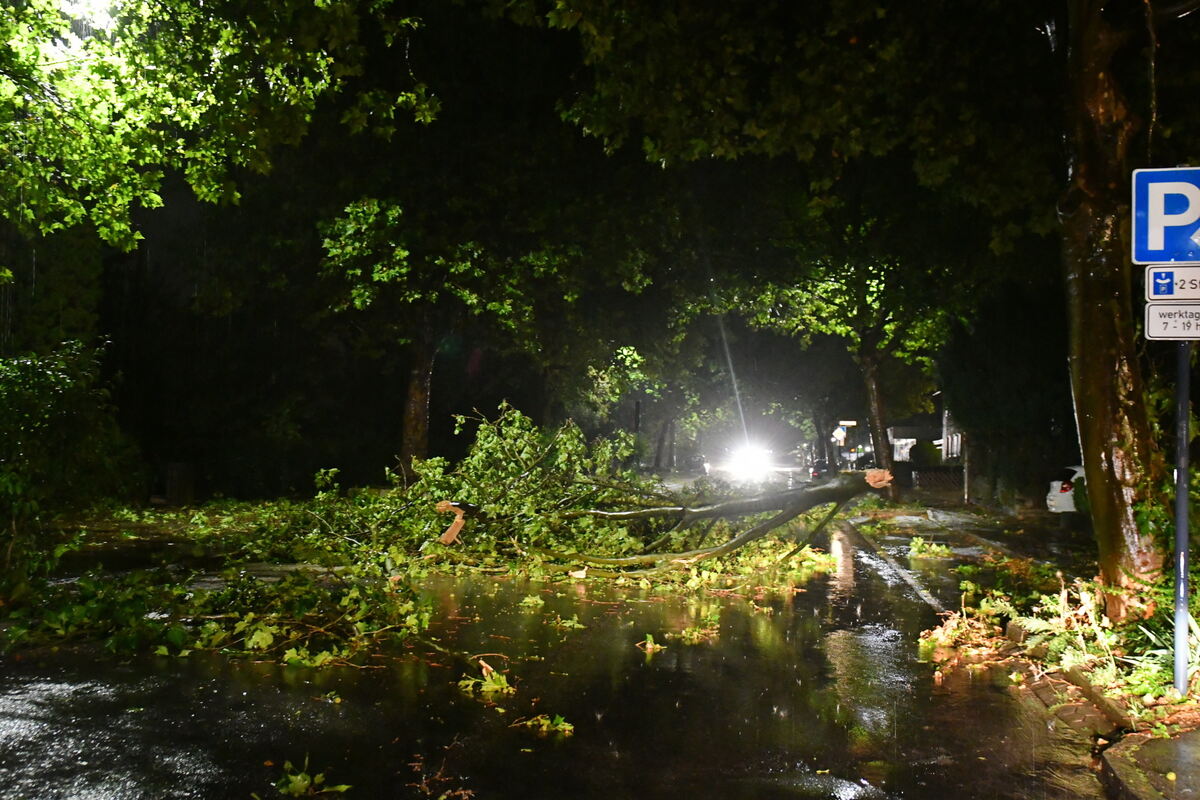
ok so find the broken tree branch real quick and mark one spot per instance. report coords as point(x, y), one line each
point(790, 504)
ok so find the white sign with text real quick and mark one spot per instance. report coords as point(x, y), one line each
point(1173, 321)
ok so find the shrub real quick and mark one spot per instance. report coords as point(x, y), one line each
point(60, 445)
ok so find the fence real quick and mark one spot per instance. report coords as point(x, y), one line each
point(938, 479)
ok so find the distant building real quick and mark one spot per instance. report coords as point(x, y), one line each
point(951, 442)
point(910, 433)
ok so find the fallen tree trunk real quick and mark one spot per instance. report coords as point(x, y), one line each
point(789, 505)
point(845, 487)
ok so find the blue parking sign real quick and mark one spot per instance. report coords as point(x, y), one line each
point(1166, 216)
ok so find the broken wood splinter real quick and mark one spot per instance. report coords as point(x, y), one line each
point(451, 534)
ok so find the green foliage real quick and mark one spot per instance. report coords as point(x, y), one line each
point(606, 385)
point(492, 682)
point(61, 445)
point(360, 549)
point(1021, 582)
point(1155, 515)
point(1152, 663)
point(299, 783)
point(827, 84)
point(312, 619)
point(979, 622)
point(649, 646)
point(920, 548)
point(572, 624)
point(96, 104)
point(1072, 627)
point(527, 483)
point(545, 724)
point(55, 289)
point(868, 503)
point(866, 304)
point(1149, 644)
point(382, 257)
point(371, 246)
point(1066, 627)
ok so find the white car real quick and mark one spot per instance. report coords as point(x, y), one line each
point(1061, 497)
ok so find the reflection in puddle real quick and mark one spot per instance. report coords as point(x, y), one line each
point(841, 580)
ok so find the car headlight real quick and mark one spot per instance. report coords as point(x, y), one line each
point(750, 463)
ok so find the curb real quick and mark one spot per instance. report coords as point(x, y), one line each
point(1146, 767)
point(1121, 775)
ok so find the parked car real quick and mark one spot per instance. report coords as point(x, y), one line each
point(1063, 492)
point(819, 469)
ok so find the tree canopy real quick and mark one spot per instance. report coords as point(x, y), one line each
point(98, 102)
point(828, 84)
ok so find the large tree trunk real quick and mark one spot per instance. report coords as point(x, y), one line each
point(664, 450)
point(868, 362)
point(1119, 457)
point(552, 415)
point(824, 426)
point(414, 442)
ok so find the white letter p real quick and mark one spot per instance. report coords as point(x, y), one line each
point(1157, 218)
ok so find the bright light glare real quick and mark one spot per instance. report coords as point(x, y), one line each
point(96, 13)
point(82, 18)
point(749, 463)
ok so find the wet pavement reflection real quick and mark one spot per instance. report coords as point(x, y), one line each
point(813, 693)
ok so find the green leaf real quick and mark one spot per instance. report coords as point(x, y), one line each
point(262, 638)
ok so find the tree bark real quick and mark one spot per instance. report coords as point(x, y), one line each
point(821, 446)
point(1119, 457)
point(414, 442)
point(868, 361)
point(551, 400)
point(664, 449)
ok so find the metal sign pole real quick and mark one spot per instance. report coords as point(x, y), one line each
point(1182, 440)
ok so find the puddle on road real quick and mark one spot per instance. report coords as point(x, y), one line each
point(812, 695)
